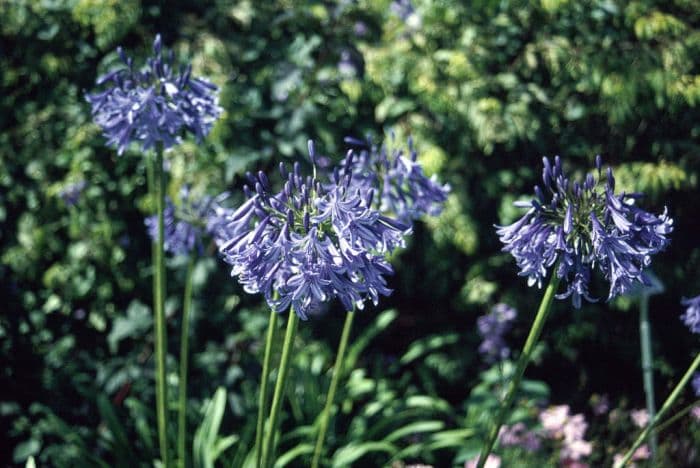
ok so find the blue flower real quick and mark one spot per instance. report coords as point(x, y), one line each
point(403, 190)
point(154, 105)
point(492, 327)
point(310, 242)
point(186, 224)
point(691, 317)
point(584, 226)
point(696, 383)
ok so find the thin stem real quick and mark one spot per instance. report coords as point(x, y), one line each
point(269, 442)
point(184, 354)
point(647, 366)
point(660, 427)
point(664, 409)
point(337, 372)
point(262, 398)
point(160, 332)
point(523, 361)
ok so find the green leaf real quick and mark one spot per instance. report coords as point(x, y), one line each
point(346, 455)
point(207, 445)
point(25, 449)
point(287, 457)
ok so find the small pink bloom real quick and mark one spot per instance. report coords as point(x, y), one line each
point(640, 417)
point(553, 419)
point(493, 461)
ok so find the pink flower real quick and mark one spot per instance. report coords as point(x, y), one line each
point(640, 417)
point(642, 453)
point(553, 420)
point(575, 428)
point(575, 450)
point(493, 461)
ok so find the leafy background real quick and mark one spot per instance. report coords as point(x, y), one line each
point(485, 88)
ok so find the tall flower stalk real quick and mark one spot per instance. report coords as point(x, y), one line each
point(262, 396)
point(337, 373)
point(404, 192)
point(668, 404)
point(159, 301)
point(154, 107)
point(303, 246)
point(184, 360)
point(572, 228)
point(268, 453)
point(691, 318)
point(647, 366)
point(524, 359)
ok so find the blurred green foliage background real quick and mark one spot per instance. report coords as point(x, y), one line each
point(485, 87)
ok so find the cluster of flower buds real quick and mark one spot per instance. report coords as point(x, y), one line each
point(581, 226)
point(402, 187)
point(311, 242)
point(155, 105)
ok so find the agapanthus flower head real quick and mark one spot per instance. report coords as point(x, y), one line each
point(402, 187)
point(492, 328)
point(311, 242)
point(696, 383)
point(691, 316)
point(153, 105)
point(187, 222)
point(582, 226)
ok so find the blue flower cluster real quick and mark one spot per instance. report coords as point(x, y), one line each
point(582, 225)
point(311, 242)
point(691, 317)
point(402, 187)
point(153, 105)
point(492, 327)
point(185, 225)
point(696, 383)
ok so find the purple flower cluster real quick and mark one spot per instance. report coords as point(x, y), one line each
point(403, 189)
point(153, 105)
point(582, 225)
point(311, 242)
point(691, 317)
point(492, 327)
point(696, 383)
point(186, 224)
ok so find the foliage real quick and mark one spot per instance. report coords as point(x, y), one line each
point(485, 88)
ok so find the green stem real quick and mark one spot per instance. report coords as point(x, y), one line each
point(337, 372)
point(647, 366)
point(523, 361)
point(184, 354)
point(660, 427)
point(269, 441)
point(262, 398)
point(160, 332)
point(664, 409)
